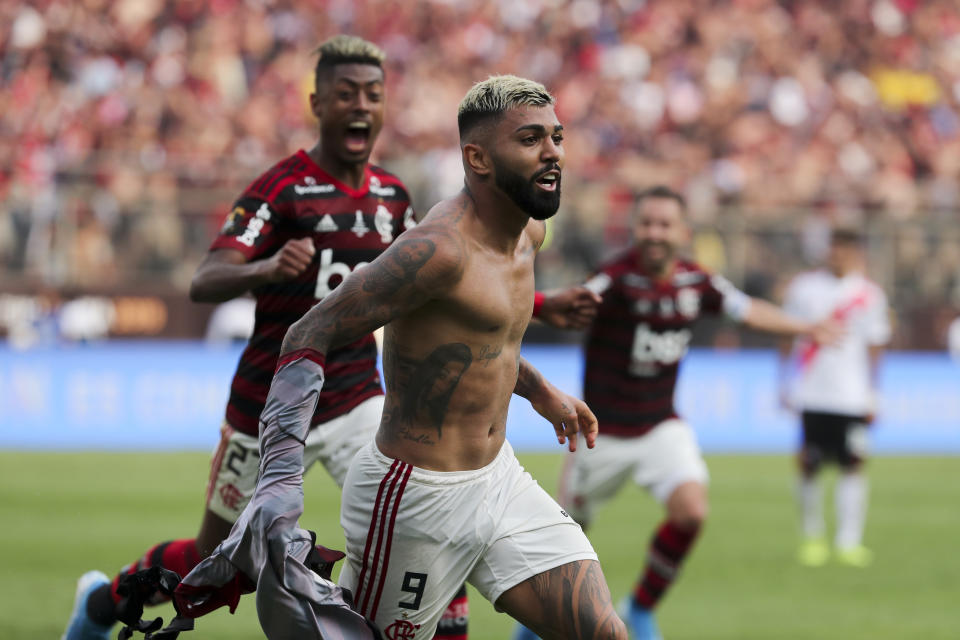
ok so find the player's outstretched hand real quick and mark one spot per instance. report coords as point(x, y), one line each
point(572, 308)
point(292, 259)
point(569, 416)
point(827, 332)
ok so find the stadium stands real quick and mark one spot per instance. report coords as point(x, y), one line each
point(128, 126)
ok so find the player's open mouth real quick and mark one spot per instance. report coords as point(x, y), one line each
point(657, 248)
point(549, 181)
point(357, 136)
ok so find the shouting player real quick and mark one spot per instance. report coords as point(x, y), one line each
point(293, 235)
point(438, 497)
point(834, 389)
point(651, 299)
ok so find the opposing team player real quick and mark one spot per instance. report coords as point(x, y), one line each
point(293, 235)
point(834, 388)
point(439, 496)
point(651, 298)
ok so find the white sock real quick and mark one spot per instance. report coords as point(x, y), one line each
point(809, 495)
point(851, 503)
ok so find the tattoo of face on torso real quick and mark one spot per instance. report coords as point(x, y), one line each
point(424, 388)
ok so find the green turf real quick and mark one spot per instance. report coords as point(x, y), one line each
point(62, 514)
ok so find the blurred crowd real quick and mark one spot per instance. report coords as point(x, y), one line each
point(128, 126)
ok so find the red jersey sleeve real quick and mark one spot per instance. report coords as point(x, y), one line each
point(253, 227)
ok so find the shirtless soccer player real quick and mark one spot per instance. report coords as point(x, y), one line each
point(438, 497)
point(292, 235)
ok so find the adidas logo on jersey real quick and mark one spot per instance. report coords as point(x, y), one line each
point(326, 224)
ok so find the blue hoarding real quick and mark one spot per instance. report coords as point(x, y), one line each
point(171, 395)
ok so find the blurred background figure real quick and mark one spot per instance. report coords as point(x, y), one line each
point(834, 389)
point(652, 298)
point(231, 321)
point(953, 339)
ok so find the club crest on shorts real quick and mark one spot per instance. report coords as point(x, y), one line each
point(230, 496)
point(401, 630)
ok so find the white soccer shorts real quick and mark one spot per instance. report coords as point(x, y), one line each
point(414, 536)
point(233, 470)
point(660, 461)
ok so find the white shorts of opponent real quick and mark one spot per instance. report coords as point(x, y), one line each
point(414, 536)
point(659, 461)
point(233, 470)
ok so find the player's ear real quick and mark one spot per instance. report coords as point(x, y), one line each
point(322, 84)
point(476, 159)
point(316, 105)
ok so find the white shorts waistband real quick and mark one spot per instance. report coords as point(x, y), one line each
point(428, 476)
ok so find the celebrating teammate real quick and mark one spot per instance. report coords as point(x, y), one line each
point(292, 236)
point(651, 298)
point(438, 497)
point(834, 389)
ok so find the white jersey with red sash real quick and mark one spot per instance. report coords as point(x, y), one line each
point(837, 378)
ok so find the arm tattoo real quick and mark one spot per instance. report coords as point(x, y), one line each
point(396, 273)
point(423, 388)
point(529, 380)
point(369, 298)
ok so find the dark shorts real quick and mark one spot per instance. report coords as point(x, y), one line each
point(832, 437)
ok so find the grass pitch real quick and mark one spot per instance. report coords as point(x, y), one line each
point(62, 514)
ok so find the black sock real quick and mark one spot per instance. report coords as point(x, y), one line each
point(100, 606)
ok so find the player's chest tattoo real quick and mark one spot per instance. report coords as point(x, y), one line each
point(424, 387)
point(487, 353)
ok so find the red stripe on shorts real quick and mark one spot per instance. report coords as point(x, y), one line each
point(375, 576)
point(386, 553)
point(370, 533)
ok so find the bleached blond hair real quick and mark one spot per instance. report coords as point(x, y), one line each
point(344, 49)
point(491, 97)
point(351, 48)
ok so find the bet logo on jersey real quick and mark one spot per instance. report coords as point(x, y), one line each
point(252, 232)
point(651, 347)
point(329, 269)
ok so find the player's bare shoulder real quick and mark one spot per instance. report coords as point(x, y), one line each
point(436, 244)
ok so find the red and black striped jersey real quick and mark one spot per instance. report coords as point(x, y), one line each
point(350, 227)
point(640, 335)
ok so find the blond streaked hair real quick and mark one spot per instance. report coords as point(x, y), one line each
point(344, 49)
point(489, 98)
